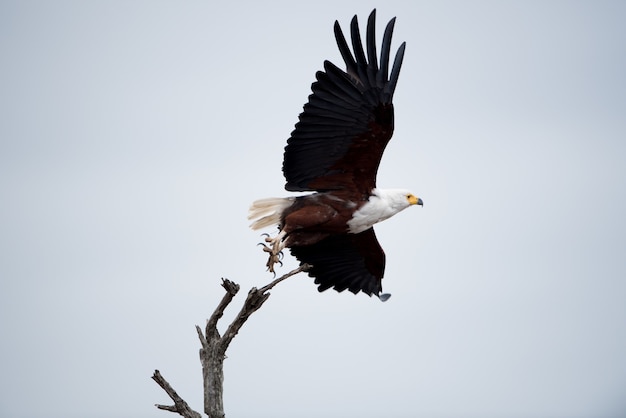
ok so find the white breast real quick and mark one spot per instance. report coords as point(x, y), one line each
point(380, 206)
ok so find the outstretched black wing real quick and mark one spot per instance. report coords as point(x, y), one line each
point(348, 120)
point(347, 261)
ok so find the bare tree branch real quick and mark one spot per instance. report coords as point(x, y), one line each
point(303, 267)
point(180, 406)
point(214, 346)
point(231, 290)
point(256, 298)
point(203, 340)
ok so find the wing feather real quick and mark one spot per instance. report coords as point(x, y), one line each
point(395, 70)
point(357, 45)
point(382, 76)
point(371, 49)
point(344, 49)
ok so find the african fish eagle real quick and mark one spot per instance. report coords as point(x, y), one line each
point(334, 151)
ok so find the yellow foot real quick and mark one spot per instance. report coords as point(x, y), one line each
point(274, 247)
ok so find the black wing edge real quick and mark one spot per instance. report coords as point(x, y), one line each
point(365, 71)
point(355, 262)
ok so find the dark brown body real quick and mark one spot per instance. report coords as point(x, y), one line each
point(314, 217)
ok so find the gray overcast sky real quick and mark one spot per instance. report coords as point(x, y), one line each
point(134, 136)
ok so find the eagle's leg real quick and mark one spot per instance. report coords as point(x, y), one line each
point(275, 248)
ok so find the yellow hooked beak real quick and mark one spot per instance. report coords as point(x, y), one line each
point(414, 200)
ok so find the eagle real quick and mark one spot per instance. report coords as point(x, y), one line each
point(334, 152)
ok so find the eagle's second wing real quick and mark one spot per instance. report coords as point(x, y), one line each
point(347, 261)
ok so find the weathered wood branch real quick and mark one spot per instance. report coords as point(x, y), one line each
point(231, 290)
point(214, 346)
point(180, 406)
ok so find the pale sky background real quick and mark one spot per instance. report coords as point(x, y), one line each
point(134, 135)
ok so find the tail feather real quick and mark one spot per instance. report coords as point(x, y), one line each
point(267, 212)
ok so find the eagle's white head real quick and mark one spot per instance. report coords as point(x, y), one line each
point(382, 204)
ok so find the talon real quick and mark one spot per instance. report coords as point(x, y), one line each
point(274, 247)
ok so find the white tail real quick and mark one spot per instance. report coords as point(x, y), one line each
point(267, 212)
